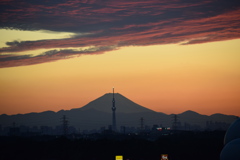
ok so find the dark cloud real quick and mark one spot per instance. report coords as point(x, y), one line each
point(49, 56)
point(13, 43)
point(121, 23)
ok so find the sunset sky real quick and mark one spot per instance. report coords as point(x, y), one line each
point(169, 56)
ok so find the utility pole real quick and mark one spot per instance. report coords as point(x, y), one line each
point(175, 122)
point(65, 125)
point(141, 123)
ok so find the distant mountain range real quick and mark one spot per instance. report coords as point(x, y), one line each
point(98, 113)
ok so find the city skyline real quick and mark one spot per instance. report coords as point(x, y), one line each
point(169, 56)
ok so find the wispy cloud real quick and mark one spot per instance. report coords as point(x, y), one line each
point(49, 56)
point(115, 23)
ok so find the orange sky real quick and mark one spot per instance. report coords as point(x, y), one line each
point(169, 78)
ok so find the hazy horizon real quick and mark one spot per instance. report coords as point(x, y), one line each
point(117, 108)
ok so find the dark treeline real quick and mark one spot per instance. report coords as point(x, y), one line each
point(181, 146)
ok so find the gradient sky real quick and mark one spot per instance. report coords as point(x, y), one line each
point(169, 56)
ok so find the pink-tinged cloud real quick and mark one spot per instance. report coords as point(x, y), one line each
point(119, 23)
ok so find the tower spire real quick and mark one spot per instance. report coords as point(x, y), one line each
point(113, 92)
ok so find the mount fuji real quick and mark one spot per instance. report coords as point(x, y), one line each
point(98, 113)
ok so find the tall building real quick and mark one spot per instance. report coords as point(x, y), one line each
point(114, 127)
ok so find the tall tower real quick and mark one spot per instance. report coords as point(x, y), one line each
point(114, 127)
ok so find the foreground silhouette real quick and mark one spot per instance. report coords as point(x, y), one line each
point(179, 146)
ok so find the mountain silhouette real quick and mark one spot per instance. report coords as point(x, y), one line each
point(123, 104)
point(98, 113)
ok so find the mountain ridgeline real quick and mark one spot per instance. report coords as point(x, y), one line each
point(98, 114)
